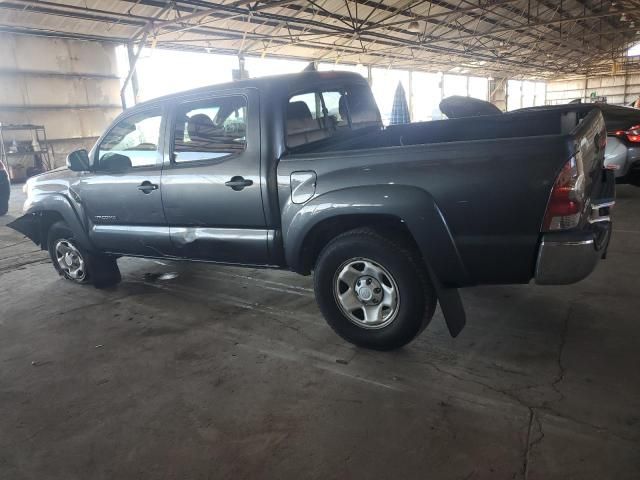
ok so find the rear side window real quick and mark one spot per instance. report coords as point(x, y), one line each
point(210, 129)
point(311, 101)
point(135, 137)
point(315, 116)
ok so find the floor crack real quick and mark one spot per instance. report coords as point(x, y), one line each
point(563, 341)
point(530, 441)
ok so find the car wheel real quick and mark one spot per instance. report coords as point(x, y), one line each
point(372, 290)
point(76, 264)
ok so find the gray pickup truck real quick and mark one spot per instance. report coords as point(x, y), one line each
point(297, 172)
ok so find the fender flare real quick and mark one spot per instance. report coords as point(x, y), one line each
point(414, 207)
point(31, 223)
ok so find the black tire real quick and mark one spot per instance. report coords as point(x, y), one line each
point(416, 296)
point(88, 268)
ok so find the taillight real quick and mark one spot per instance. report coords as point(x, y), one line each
point(633, 134)
point(567, 197)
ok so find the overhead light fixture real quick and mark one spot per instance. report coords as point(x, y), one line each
point(414, 26)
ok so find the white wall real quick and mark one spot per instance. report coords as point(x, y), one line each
point(71, 87)
point(619, 89)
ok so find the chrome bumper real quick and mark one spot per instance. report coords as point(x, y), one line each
point(569, 258)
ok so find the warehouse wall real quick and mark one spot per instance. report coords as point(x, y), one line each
point(619, 89)
point(71, 87)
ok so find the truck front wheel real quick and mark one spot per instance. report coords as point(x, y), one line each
point(74, 263)
point(373, 291)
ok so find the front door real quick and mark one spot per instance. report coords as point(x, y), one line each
point(211, 183)
point(122, 196)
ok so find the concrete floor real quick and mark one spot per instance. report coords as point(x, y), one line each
point(231, 373)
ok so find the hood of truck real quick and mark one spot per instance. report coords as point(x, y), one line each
point(52, 181)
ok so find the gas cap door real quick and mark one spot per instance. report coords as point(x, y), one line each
point(303, 186)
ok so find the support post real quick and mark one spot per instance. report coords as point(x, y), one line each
point(498, 93)
point(134, 78)
point(132, 70)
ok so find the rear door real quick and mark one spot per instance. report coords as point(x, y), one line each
point(211, 182)
point(124, 204)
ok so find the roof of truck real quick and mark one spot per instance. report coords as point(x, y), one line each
point(289, 81)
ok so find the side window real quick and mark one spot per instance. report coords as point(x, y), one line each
point(362, 108)
point(133, 139)
point(315, 116)
point(335, 104)
point(210, 129)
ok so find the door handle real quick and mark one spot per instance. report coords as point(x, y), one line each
point(237, 183)
point(147, 187)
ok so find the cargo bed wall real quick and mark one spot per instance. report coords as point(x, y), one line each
point(526, 124)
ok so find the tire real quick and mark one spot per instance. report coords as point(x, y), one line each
point(369, 314)
point(74, 263)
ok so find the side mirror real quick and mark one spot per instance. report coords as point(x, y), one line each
point(78, 161)
point(115, 162)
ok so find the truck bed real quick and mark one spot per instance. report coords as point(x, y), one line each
point(490, 177)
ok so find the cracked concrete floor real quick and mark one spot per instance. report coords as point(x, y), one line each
point(231, 373)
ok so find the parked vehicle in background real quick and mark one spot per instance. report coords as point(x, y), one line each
point(296, 172)
point(622, 154)
point(5, 189)
point(623, 151)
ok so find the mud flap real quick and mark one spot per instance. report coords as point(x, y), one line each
point(452, 310)
point(451, 306)
point(105, 272)
point(29, 226)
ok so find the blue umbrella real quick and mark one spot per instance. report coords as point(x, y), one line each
point(400, 109)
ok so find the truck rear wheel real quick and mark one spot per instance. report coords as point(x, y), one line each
point(373, 291)
point(76, 264)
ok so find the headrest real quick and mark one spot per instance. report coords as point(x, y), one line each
point(200, 126)
point(298, 111)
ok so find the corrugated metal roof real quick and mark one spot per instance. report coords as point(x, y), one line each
point(534, 38)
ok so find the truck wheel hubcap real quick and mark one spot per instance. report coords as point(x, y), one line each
point(70, 260)
point(366, 293)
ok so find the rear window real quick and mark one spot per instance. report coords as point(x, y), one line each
point(318, 115)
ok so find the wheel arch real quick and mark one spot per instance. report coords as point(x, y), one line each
point(44, 212)
point(401, 209)
point(409, 210)
point(322, 232)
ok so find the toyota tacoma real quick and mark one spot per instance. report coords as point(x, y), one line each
point(297, 172)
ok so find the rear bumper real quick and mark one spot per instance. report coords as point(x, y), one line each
point(565, 258)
